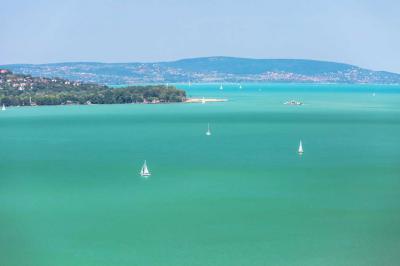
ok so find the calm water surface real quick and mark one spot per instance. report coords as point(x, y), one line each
point(70, 193)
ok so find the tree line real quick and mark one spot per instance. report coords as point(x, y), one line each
point(43, 91)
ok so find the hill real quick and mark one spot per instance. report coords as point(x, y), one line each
point(210, 69)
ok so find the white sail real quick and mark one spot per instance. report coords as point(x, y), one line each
point(301, 148)
point(203, 101)
point(145, 170)
point(3, 108)
point(240, 86)
point(208, 133)
point(221, 87)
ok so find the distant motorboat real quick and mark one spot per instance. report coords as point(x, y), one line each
point(301, 151)
point(208, 133)
point(144, 172)
point(3, 108)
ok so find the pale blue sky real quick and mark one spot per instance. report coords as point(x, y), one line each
point(365, 33)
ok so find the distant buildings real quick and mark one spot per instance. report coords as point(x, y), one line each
point(4, 71)
point(205, 70)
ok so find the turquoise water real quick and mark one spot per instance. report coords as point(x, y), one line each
point(70, 193)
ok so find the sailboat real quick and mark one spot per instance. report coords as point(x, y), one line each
point(203, 101)
point(144, 172)
point(221, 87)
point(240, 86)
point(374, 94)
point(301, 148)
point(3, 108)
point(208, 133)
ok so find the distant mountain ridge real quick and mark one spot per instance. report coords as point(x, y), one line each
point(210, 69)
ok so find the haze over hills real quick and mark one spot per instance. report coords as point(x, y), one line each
point(210, 69)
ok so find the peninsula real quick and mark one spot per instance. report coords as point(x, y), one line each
point(25, 90)
point(205, 100)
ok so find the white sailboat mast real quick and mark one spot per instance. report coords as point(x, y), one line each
point(301, 148)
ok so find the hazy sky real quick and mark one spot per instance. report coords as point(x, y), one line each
point(361, 32)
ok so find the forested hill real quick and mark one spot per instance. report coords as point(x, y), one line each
point(211, 69)
point(22, 90)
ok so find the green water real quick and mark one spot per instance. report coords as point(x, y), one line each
point(70, 193)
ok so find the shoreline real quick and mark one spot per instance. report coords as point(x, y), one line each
point(190, 100)
point(78, 104)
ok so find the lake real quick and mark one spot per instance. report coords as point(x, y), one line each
point(71, 194)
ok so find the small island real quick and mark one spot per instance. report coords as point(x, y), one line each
point(293, 102)
point(25, 90)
